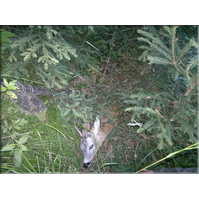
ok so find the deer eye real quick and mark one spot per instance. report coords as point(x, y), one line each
point(91, 147)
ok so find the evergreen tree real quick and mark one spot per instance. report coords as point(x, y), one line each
point(51, 54)
point(169, 103)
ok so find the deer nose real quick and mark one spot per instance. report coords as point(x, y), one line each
point(87, 164)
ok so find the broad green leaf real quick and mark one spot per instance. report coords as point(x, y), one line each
point(5, 82)
point(23, 148)
point(3, 88)
point(5, 35)
point(12, 83)
point(13, 87)
point(9, 93)
point(23, 139)
point(18, 157)
point(8, 147)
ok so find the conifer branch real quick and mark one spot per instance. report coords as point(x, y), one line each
point(191, 88)
point(173, 48)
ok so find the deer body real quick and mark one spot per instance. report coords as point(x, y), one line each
point(92, 140)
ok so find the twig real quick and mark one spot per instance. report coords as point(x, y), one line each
point(191, 88)
point(107, 63)
point(17, 134)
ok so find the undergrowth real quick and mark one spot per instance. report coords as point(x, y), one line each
point(132, 151)
point(123, 84)
point(48, 151)
point(53, 144)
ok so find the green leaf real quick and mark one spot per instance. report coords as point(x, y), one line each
point(13, 88)
point(8, 147)
point(3, 88)
point(23, 148)
point(5, 35)
point(11, 85)
point(23, 139)
point(18, 157)
point(5, 82)
point(9, 93)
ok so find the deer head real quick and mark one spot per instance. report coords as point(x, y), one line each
point(89, 143)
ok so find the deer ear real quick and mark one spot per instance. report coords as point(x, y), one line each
point(84, 131)
point(96, 126)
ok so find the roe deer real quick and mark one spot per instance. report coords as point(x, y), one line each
point(92, 140)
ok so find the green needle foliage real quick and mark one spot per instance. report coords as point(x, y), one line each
point(51, 54)
point(168, 106)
